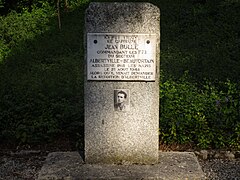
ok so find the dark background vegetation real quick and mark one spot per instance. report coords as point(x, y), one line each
point(41, 72)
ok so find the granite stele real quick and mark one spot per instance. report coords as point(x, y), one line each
point(122, 42)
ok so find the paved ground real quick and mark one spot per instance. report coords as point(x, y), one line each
point(26, 165)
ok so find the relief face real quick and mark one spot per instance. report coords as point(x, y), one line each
point(121, 100)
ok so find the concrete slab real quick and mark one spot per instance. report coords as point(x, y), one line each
point(172, 166)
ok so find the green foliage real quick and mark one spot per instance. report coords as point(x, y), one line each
point(1, 3)
point(41, 81)
point(201, 38)
point(205, 116)
point(77, 3)
point(35, 109)
point(16, 28)
point(41, 71)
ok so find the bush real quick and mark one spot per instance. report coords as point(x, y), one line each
point(204, 116)
point(15, 28)
point(41, 81)
point(201, 38)
point(38, 105)
point(41, 72)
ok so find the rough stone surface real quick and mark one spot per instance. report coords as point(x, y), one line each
point(112, 136)
point(203, 154)
point(217, 154)
point(171, 165)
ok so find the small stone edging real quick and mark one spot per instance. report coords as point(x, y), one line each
point(217, 154)
point(202, 154)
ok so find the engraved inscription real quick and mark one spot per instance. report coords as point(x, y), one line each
point(116, 56)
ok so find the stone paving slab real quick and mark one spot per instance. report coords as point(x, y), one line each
point(172, 166)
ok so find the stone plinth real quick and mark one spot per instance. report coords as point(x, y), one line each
point(172, 165)
point(126, 134)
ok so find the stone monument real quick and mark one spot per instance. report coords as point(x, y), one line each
point(122, 42)
point(121, 100)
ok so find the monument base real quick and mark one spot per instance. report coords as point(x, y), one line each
point(171, 165)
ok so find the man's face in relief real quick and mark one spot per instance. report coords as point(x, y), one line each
point(120, 98)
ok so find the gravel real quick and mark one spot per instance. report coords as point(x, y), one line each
point(26, 166)
point(221, 169)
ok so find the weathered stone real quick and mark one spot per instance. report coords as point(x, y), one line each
point(122, 136)
point(171, 165)
point(229, 155)
point(219, 154)
point(203, 154)
point(60, 165)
